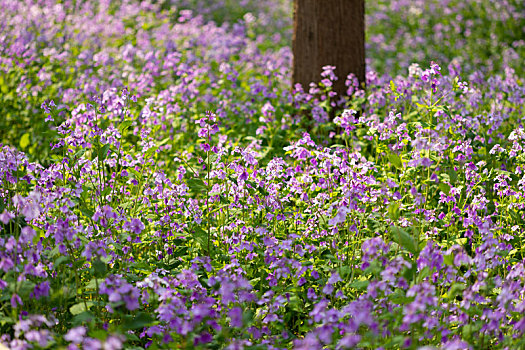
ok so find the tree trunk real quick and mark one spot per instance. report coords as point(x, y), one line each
point(328, 32)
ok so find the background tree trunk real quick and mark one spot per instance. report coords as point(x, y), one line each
point(328, 32)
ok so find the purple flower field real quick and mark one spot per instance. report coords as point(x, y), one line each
point(162, 186)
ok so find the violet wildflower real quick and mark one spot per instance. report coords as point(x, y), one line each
point(235, 315)
point(76, 335)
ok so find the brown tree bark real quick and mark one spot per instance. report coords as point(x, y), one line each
point(328, 32)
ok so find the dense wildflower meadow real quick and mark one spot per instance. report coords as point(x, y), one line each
point(163, 186)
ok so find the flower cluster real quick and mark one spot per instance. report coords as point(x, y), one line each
point(131, 216)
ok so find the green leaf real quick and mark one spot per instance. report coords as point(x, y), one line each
point(131, 337)
point(404, 239)
point(467, 331)
point(196, 185)
point(100, 268)
point(165, 141)
point(99, 334)
point(423, 273)
point(359, 285)
point(93, 283)
point(138, 176)
point(83, 317)
point(393, 211)
point(87, 212)
point(200, 236)
point(395, 160)
point(399, 297)
point(80, 307)
point(54, 252)
point(60, 260)
point(247, 316)
point(456, 289)
point(453, 175)
point(80, 153)
point(103, 152)
point(345, 272)
point(444, 188)
point(124, 125)
point(374, 268)
point(212, 158)
point(150, 152)
point(25, 140)
point(396, 342)
point(6, 320)
point(410, 273)
point(140, 321)
point(448, 260)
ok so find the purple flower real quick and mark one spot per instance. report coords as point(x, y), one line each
point(340, 217)
point(6, 264)
point(431, 257)
point(456, 345)
point(118, 290)
point(311, 294)
point(131, 300)
point(27, 234)
point(235, 315)
point(349, 341)
point(203, 338)
point(373, 248)
point(347, 120)
point(328, 289)
point(113, 343)
point(76, 335)
point(425, 76)
point(6, 216)
point(334, 278)
point(135, 225)
point(41, 290)
point(16, 301)
point(435, 68)
point(91, 344)
point(42, 337)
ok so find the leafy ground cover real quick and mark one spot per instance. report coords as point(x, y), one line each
point(163, 187)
